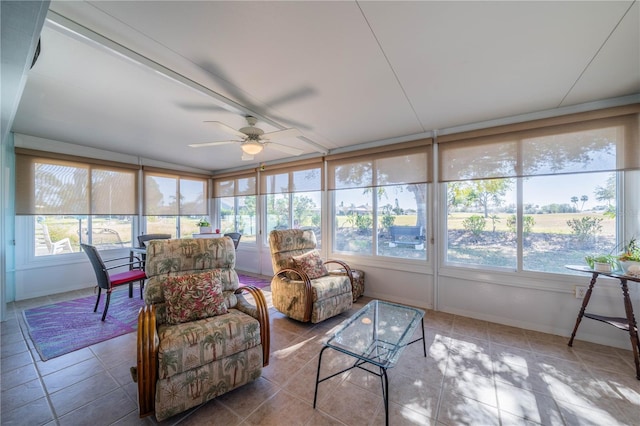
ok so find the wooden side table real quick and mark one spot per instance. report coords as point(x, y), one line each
point(627, 324)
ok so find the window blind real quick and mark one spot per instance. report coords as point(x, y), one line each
point(167, 194)
point(235, 185)
point(67, 185)
point(399, 166)
point(582, 144)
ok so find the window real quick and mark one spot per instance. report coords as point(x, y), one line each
point(173, 204)
point(379, 201)
point(293, 197)
point(75, 200)
point(540, 198)
point(236, 204)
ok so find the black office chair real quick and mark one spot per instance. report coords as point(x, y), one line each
point(108, 281)
point(235, 236)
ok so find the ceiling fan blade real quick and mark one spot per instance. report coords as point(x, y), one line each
point(246, 157)
point(227, 129)
point(200, 145)
point(282, 134)
point(286, 149)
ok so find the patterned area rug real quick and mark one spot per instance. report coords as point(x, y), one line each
point(65, 327)
point(260, 282)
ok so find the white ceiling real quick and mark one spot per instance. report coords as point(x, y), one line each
point(344, 73)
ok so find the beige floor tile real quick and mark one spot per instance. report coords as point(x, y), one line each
point(475, 372)
point(282, 408)
point(244, 400)
point(528, 405)
point(351, 404)
point(459, 410)
point(37, 412)
point(103, 411)
point(212, 413)
point(479, 388)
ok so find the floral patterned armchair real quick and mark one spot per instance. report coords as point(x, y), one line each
point(302, 288)
point(198, 337)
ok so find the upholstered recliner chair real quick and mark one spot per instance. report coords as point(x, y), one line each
point(198, 337)
point(301, 287)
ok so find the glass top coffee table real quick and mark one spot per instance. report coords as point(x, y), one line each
point(375, 336)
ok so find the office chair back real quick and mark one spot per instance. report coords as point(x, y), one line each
point(142, 239)
point(235, 236)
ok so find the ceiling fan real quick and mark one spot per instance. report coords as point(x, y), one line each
point(252, 139)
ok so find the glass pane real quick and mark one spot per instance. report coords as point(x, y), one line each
point(113, 192)
point(193, 197)
point(56, 235)
point(162, 225)
point(307, 214)
point(109, 232)
point(277, 212)
point(479, 227)
point(353, 226)
point(189, 226)
point(226, 206)
point(160, 195)
point(566, 218)
point(246, 219)
point(402, 221)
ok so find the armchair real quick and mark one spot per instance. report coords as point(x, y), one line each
point(198, 337)
point(302, 288)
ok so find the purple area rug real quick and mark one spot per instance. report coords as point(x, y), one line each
point(260, 282)
point(65, 327)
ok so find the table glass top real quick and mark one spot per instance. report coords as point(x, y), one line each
point(377, 333)
point(614, 274)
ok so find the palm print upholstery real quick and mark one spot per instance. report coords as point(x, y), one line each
point(200, 359)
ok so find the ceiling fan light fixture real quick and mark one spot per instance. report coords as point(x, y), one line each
point(252, 147)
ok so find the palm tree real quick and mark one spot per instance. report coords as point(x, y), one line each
point(234, 361)
point(167, 360)
point(213, 340)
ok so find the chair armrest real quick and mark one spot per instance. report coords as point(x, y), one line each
point(126, 264)
point(344, 266)
point(116, 258)
point(259, 311)
point(308, 292)
point(147, 365)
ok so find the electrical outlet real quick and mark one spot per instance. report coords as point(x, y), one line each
point(580, 292)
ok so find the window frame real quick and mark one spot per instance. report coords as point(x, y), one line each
point(627, 164)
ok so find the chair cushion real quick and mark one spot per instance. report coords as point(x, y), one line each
point(311, 263)
point(197, 343)
point(193, 297)
point(127, 277)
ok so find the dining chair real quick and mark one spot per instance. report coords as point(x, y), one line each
point(144, 238)
point(235, 236)
point(108, 281)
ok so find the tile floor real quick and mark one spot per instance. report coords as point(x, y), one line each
point(475, 373)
